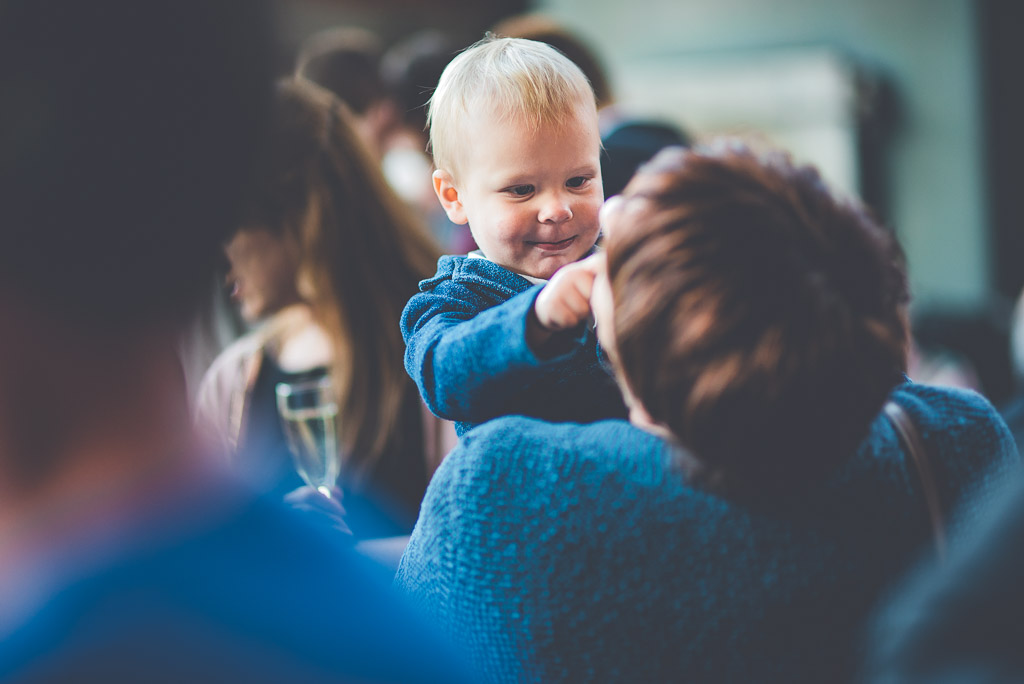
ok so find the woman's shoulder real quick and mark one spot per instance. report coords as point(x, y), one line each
point(963, 418)
point(233, 363)
point(232, 360)
point(553, 481)
point(511, 433)
point(519, 454)
point(966, 441)
point(949, 417)
point(940, 400)
point(218, 399)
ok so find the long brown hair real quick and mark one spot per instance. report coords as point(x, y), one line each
point(362, 254)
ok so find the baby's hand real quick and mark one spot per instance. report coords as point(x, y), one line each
point(564, 302)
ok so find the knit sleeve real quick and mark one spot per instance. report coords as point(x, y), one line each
point(468, 362)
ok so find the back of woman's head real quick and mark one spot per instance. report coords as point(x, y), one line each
point(362, 252)
point(758, 317)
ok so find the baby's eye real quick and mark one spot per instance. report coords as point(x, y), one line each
point(520, 190)
point(577, 181)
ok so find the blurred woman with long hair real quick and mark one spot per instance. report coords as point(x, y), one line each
point(329, 255)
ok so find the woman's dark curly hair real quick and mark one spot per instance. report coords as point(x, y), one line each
point(758, 316)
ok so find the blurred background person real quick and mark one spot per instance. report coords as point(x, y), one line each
point(346, 61)
point(411, 69)
point(628, 142)
point(941, 366)
point(1013, 409)
point(386, 92)
point(127, 556)
point(330, 255)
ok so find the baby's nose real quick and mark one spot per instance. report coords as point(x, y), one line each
point(555, 210)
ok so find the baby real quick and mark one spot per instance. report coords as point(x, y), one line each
point(513, 129)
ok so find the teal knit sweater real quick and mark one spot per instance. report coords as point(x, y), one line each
point(563, 552)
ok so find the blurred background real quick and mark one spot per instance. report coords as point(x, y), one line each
point(911, 105)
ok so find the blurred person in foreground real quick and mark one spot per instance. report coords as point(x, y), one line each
point(741, 526)
point(126, 557)
point(326, 255)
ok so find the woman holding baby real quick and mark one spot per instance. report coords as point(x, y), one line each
point(744, 522)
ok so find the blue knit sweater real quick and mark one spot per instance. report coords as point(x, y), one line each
point(465, 335)
point(578, 553)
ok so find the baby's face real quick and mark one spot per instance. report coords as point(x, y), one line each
point(531, 195)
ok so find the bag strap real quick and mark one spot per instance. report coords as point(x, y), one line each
point(911, 439)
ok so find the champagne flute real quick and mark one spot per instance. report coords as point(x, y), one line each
point(309, 416)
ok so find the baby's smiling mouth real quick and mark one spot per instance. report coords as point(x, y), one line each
point(552, 246)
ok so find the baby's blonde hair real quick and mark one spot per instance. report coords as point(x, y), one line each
point(511, 78)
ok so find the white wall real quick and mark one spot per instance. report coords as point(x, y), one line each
point(927, 50)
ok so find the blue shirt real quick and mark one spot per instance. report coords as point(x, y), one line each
point(243, 592)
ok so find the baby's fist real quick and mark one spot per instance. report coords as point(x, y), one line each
point(564, 302)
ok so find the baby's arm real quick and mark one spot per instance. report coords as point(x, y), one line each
point(467, 363)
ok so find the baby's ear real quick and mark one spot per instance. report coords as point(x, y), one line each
point(448, 196)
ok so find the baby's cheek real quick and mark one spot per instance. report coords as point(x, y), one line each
point(589, 213)
point(589, 239)
point(511, 228)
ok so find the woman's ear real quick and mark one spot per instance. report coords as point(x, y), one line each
point(448, 196)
